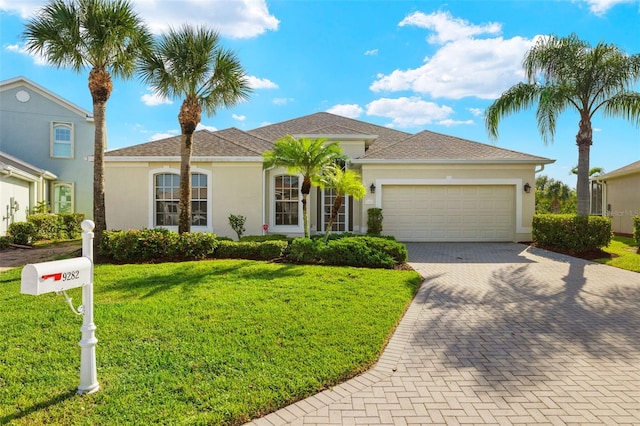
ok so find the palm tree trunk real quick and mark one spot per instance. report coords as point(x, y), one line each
point(584, 139)
point(100, 86)
point(305, 190)
point(337, 203)
point(189, 117)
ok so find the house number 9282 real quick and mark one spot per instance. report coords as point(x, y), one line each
point(71, 275)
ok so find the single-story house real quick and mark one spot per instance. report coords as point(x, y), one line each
point(430, 186)
point(21, 185)
point(617, 196)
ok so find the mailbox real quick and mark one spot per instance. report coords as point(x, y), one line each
point(59, 275)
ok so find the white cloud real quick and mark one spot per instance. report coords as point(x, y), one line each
point(347, 110)
point(201, 126)
point(409, 112)
point(164, 135)
point(282, 101)
point(601, 7)
point(21, 49)
point(372, 52)
point(447, 28)
point(476, 111)
point(260, 83)
point(154, 99)
point(238, 117)
point(449, 122)
point(234, 19)
point(467, 67)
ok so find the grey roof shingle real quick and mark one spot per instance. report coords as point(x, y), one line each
point(628, 169)
point(428, 145)
point(230, 142)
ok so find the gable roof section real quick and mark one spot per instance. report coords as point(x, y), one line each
point(230, 142)
point(10, 165)
point(22, 81)
point(622, 171)
point(322, 123)
point(434, 147)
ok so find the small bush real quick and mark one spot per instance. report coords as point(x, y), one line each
point(23, 233)
point(571, 233)
point(193, 245)
point(636, 230)
point(305, 250)
point(266, 250)
point(4, 242)
point(268, 237)
point(71, 224)
point(136, 245)
point(237, 224)
point(374, 221)
point(47, 226)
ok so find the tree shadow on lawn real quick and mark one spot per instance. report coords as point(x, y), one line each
point(42, 405)
point(519, 326)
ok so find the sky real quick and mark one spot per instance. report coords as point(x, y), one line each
point(408, 65)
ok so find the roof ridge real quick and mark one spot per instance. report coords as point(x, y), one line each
point(242, 145)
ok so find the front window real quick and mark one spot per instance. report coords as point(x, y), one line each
point(340, 222)
point(167, 199)
point(62, 140)
point(63, 198)
point(596, 198)
point(287, 200)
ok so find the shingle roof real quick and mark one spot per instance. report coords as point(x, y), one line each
point(322, 122)
point(230, 142)
point(428, 145)
point(628, 169)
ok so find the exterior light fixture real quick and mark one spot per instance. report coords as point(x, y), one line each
point(527, 188)
point(372, 188)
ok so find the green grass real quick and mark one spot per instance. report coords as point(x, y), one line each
point(212, 342)
point(626, 253)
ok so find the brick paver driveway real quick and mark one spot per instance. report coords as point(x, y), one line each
point(499, 334)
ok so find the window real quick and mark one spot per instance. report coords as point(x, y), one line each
point(61, 140)
point(596, 198)
point(167, 199)
point(286, 200)
point(340, 223)
point(63, 198)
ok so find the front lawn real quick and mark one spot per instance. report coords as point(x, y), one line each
point(211, 342)
point(624, 254)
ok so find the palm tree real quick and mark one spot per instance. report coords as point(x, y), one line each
point(574, 75)
point(189, 63)
point(594, 171)
point(344, 182)
point(311, 158)
point(557, 192)
point(105, 36)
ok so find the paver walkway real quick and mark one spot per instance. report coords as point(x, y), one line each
point(499, 334)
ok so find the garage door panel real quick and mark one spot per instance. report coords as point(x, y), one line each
point(449, 213)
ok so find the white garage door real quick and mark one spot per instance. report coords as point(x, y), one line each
point(449, 213)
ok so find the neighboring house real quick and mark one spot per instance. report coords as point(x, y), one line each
point(617, 195)
point(431, 187)
point(21, 185)
point(43, 131)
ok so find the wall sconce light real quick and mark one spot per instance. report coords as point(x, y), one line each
point(372, 188)
point(527, 188)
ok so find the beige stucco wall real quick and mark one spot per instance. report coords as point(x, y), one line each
point(235, 188)
point(454, 174)
point(623, 197)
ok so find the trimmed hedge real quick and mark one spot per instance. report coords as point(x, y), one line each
point(571, 233)
point(265, 250)
point(372, 252)
point(4, 242)
point(23, 233)
point(636, 230)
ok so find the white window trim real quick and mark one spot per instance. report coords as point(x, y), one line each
point(52, 140)
point(345, 203)
point(54, 202)
point(272, 207)
point(152, 198)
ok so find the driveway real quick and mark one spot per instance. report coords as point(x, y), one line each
point(499, 334)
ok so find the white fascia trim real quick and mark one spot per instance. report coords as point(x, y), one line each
point(26, 176)
point(149, 159)
point(518, 183)
point(441, 161)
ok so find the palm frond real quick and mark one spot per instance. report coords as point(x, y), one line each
point(517, 98)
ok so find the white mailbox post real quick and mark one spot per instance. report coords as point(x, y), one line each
point(59, 276)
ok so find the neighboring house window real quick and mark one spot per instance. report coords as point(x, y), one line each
point(340, 223)
point(167, 199)
point(287, 200)
point(62, 140)
point(63, 198)
point(596, 198)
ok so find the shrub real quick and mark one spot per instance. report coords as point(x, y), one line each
point(265, 250)
point(268, 237)
point(139, 245)
point(571, 233)
point(374, 221)
point(71, 224)
point(636, 230)
point(237, 224)
point(4, 242)
point(193, 245)
point(23, 233)
point(46, 225)
point(305, 250)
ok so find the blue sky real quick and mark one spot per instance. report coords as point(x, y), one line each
point(410, 65)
